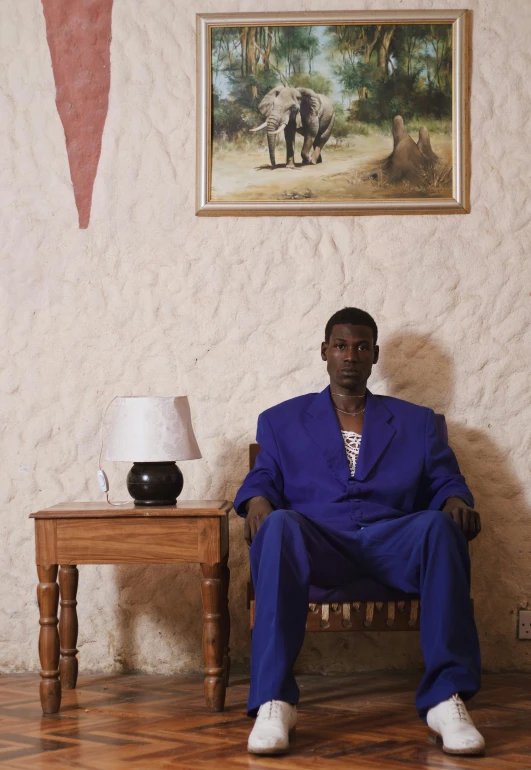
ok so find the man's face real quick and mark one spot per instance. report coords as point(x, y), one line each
point(350, 356)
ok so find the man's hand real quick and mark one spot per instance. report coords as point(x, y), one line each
point(258, 508)
point(467, 519)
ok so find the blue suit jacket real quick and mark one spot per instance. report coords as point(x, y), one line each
point(404, 465)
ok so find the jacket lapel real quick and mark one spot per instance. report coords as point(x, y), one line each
point(322, 424)
point(377, 433)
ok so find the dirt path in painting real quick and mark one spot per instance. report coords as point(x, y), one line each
point(239, 175)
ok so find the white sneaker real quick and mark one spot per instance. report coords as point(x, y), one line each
point(450, 723)
point(274, 723)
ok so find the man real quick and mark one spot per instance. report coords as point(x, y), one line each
point(347, 484)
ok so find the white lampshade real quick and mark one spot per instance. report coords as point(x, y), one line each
point(151, 429)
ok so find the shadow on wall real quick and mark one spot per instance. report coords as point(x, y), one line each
point(418, 369)
point(158, 624)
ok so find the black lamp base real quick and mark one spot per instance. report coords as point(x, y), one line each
point(155, 484)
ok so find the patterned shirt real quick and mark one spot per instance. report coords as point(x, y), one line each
point(352, 443)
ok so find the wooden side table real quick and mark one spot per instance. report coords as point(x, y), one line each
point(97, 533)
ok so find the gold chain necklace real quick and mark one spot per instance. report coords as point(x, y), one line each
point(351, 414)
point(344, 395)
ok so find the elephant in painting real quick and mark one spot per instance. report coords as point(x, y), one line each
point(301, 110)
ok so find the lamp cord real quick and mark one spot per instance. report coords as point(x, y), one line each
point(124, 502)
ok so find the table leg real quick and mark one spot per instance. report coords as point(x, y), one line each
point(68, 580)
point(211, 593)
point(48, 597)
point(225, 619)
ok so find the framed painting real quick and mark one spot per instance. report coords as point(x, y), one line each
point(332, 113)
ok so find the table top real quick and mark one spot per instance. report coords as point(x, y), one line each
point(183, 509)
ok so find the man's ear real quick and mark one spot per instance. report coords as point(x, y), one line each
point(376, 354)
point(324, 348)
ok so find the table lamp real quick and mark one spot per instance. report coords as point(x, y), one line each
point(152, 432)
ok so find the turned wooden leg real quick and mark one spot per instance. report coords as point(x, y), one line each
point(48, 597)
point(211, 593)
point(225, 619)
point(68, 580)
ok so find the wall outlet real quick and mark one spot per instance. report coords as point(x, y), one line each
point(524, 624)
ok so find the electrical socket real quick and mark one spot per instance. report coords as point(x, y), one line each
point(524, 624)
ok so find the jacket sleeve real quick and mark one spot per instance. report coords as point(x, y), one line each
point(442, 477)
point(265, 479)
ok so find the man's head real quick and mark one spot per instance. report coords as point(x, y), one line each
point(350, 349)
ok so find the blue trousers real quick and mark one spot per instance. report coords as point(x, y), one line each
point(424, 553)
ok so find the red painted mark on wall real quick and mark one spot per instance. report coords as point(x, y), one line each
point(79, 38)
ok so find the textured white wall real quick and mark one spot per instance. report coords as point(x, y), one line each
point(152, 300)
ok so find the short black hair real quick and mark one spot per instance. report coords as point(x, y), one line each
point(354, 316)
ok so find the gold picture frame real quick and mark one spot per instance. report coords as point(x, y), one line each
point(251, 199)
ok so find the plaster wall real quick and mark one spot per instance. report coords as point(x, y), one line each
point(152, 300)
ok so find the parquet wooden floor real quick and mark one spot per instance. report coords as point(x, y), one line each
point(361, 722)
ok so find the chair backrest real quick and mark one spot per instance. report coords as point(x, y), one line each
point(439, 418)
point(441, 426)
point(253, 452)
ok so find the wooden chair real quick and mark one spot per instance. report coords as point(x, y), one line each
point(364, 605)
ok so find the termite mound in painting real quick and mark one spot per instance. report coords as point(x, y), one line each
point(412, 162)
